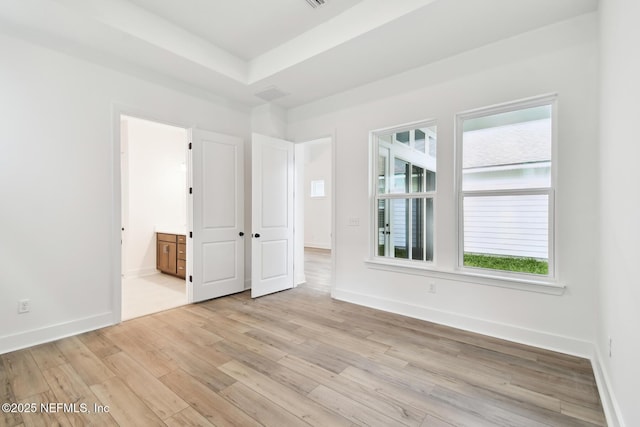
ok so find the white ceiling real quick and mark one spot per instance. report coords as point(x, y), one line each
point(245, 28)
point(228, 50)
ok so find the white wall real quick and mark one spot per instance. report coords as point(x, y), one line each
point(561, 58)
point(58, 220)
point(157, 190)
point(317, 210)
point(619, 295)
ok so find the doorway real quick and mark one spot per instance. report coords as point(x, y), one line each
point(314, 177)
point(153, 200)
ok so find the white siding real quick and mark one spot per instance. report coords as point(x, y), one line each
point(507, 225)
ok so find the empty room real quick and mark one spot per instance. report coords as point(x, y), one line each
point(343, 212)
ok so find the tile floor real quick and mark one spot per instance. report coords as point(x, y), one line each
point(150, 294)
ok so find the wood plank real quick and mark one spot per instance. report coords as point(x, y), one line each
point(124, 405)
point(217, 410)
point(9, 419)
point(300, 383)
point(87, 365)
point(590, 415)
point(391, 407)
point(99, 344)
point(47, 356)
point(68, 387)
point(142, 349)
point(295, 403)
point(350, 409)
point(403, 394)
point(484, 411)
point(188, 417)
point(206, 373)
point(40, 418)
point(161, 400)
point(259, 407)
point(23, 374)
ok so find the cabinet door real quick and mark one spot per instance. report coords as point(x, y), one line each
point(166, 257)
point(181, 269)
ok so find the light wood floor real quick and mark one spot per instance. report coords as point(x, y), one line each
point(296, 358)
point(317, 269)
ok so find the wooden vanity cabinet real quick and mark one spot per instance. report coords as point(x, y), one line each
point(181, 263)
point(171, 254)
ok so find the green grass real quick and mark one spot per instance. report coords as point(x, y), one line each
point(517, 264)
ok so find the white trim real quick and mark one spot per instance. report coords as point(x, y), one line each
point(55, 332)
point(141, 272)
point(612, 411)
point(421, 268)
point(540, 339)
point(316, 245)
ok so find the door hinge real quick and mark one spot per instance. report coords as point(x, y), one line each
point(191, 234)
point(190, 146)
point(190, 190)
point(190, 278)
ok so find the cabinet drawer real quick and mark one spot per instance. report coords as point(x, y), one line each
point(182, 268)
point(182, 239)
point(167, 237)
point(182, 251)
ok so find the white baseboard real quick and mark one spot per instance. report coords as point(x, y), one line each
point(317, 245)
point(299, 280)
point(51, 333)
point(609, 402)
point(141, 272)
point(517, 334)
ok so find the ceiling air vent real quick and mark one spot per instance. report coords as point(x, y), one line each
point(271, 93)
point(316, 3)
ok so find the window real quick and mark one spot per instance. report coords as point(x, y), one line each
point(405, 186)
point(505, 188)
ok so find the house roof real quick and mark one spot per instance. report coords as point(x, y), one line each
point(511, 144)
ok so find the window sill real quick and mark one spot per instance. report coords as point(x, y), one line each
point(529, 285)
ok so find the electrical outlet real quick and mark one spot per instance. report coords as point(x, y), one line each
point(432, 288)
point(24, 306)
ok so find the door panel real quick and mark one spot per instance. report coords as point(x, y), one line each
point(272, 215)
point(217, 249)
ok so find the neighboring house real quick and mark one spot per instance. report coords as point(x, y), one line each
point(504, 157)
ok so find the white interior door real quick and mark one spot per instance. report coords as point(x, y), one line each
point(215, 253)
point(272, 215)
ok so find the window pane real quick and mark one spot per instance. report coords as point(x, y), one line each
point(419, 143)
point(509, 150)
point(400, 227)
point(383, 227)
point(417, 229)
point(417, 179)
point(403, 137)
point(400, 176)
point(431, 181)
point(507, 233)
point(429, 224)
point(382, 172)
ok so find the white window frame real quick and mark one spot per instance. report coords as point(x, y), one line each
point(374, 147)
point(550, 99)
